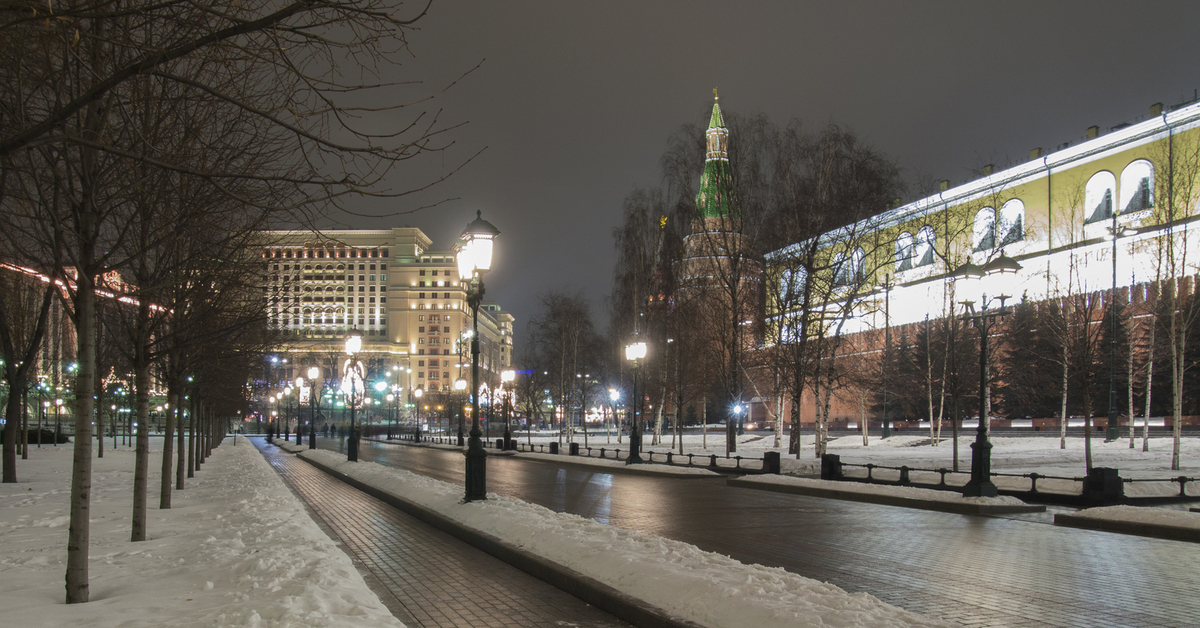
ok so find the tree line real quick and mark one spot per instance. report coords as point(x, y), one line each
point(153, 141)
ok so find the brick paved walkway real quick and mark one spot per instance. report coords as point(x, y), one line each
point(427, 577)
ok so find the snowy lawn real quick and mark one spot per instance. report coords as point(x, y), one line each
point(707, 588)
point(236, 549)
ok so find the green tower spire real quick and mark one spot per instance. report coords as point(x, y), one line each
point(715, 198)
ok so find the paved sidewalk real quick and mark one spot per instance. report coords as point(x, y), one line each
point(425, 576)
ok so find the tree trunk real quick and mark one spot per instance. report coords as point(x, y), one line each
point(191, 447)
point(181, 456)
point(79, 535)
point(141, 463)
point(1149, 377)
point(1066, 373)
point(168, 455)
point(12, 420)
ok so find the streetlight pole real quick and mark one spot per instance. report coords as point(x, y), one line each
point(417, 392)
point(887, 284)
point(506, 377)
point(1112, 432)
point(634, 352)
point(980, 484)
point(474, 256)
point(353, 379)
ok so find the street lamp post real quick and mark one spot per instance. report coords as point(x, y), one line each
point(980, 484)
point(1112, 432)
point(417, 392)
point(352, 380)
point(886, 430)
point(614, 395)
point(634, 352)
point(460, 385)
point(506, 377)
point(474, 256)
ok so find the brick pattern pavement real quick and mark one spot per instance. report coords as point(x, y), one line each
point(429, 578)
point(978, 571)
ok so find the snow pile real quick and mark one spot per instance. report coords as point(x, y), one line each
point(704, 587)
point(909, 492)
point(237, 549)
point(1153, 516)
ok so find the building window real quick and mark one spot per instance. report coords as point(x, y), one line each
point(421, 295)
point(446, 330)
point(849, 270)
point(984, 238)
point(420, 373)
point(420, 341)
point(1098, 197)
point(446, 295)
point(905, 251)
point(1011, 225)
point(420, 352)
point(421, 272)
point(1137, 187)
point(433, 363)
point(923, 247)
point(420, 362)
point(434, 273)
point(421, 317)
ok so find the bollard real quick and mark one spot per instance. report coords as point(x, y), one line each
point(573, 449)
point(669, 457)
point(771, 462)
point(831, 467)
point(712, 463)
point(904, 474)
point(554, 448)
point(500, 444)
point(1103, 484)
point(601, 453)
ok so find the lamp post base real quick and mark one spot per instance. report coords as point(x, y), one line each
point(980, 484)
point(635, 448)
point(1113, 431)
point(312, 437)
point(476, 480)
point(352, 446)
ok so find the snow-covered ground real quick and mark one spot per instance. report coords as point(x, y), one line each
point(704, 587)
point(236, 549)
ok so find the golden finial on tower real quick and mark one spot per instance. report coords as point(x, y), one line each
point(662, 222)
point(715, 97)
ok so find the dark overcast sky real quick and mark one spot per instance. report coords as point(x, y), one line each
point(574, 101)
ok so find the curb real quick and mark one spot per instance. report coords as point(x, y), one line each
point(888, 500)
point(590, 590)
point(627, 469)
point(1153, 530)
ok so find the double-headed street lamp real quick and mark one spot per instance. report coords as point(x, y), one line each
point(975, 282)
point(1112, 433)
point(633, 352)
point(352, 387)
point(474, 256)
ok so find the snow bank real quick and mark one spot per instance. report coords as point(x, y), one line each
point(884, 490)
point(703, 587)
point(657, 469)
point(237, 549)
point(1148, 516)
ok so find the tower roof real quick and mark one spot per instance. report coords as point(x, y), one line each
point(715, 198)
point(716, 121)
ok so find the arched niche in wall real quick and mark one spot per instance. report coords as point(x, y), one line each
point(1098, 197)
point(1137, 187)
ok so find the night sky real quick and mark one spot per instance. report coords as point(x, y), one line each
point(574, 101)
